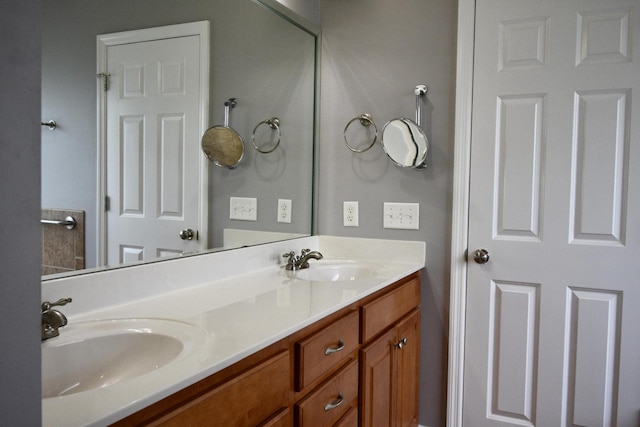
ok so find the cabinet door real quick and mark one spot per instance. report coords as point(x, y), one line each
point(408, 366)
point(376, 376)
point(244, 401)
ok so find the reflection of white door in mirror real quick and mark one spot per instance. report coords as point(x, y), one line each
point(153, 182)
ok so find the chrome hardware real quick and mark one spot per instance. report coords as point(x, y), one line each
point(419, 91)
point(52, 320)
point(331, 350)
point(481, 256)
point(301, 261)
point(187, 234)
point(338, 402)
point(105, 80)
point(401, 343)
point(51, 124)
point(274, 124)
point(69, 222)
point(365, 120)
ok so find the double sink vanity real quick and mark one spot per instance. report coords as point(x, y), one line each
point(237, 338)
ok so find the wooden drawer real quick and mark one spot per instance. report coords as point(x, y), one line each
point(386, 310)
point(315, 410)
point(318, 354)
point(349, 420)
point(281, 419)
point(246, 400)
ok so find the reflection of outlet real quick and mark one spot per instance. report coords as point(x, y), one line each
point(243, 208)
point(284, 210)
point(401, 215)
point(350, 214)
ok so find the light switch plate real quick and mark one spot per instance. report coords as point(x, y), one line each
point(284, 210)
point(243, 208)
point(401, 215)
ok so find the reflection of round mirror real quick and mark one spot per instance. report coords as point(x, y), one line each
point(223, 146)
point(405, 143)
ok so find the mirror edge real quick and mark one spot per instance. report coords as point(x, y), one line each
point(310, 28)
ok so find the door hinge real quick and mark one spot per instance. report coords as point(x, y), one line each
point(105, 80)
point(107, 203)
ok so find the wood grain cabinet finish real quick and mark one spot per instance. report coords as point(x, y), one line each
point(321, 352)
point(389, 376)
point(246, 400)
point(350, 419)
point(368, 376)
point(329, 402)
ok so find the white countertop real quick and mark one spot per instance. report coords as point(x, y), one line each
point(236, 313)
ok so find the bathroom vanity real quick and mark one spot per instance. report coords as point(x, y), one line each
point(327, 345)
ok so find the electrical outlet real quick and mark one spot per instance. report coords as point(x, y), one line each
point(401, 215)
point(284, 210)
point(350, 214)
point(243, 208)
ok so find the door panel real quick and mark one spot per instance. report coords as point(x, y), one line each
point(552, 332)
point(153, 114)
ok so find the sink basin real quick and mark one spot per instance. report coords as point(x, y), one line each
point(336, 271)
point(91, 355)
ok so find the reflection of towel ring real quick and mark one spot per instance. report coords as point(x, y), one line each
point(274, 124)
point(365, 120)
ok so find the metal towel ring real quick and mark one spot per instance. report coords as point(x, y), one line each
point(365, 120)
point(274, 123)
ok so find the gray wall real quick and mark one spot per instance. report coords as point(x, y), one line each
point(255, 56)
point(20, 201)
point(374, 53)
point(309, 9)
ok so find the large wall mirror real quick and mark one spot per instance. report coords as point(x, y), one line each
point(260, 54)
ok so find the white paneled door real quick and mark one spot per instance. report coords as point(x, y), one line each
point(553, 317)
point(154, 181)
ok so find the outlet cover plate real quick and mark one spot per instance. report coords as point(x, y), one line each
point(401, 215)
point(284, 211)
point(350, 214)
point(243, 208)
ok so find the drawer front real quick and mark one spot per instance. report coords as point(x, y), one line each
point(246, 400)
point(326, 405)
point(319, 353)
point(281, 419)
point(388, 309)
point(349, 420)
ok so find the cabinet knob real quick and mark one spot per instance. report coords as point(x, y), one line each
point(401, 343)
point(338, 402)
point(331, 350)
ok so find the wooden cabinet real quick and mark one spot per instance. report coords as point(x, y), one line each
point(246, 400)
point(326, 349)
point(389, 364)
point(329, 402)
point(358, 366)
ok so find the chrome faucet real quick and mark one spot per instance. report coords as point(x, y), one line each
point(52, 319)
point(301, 261)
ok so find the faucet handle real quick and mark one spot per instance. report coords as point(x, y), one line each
point(305, 251)
point(48, 305)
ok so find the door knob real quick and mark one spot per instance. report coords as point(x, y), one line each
point(187, 234)
point(481, 256)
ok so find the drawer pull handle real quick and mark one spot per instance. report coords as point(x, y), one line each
point(331, 350)
point(338, 402)
point(401, 343)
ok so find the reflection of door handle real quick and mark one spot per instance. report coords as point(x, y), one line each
point(187, 234)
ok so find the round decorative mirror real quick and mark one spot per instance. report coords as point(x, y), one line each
point(405, 143)
point(223, 146)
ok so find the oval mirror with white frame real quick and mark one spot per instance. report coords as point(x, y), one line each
point(405, 143)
